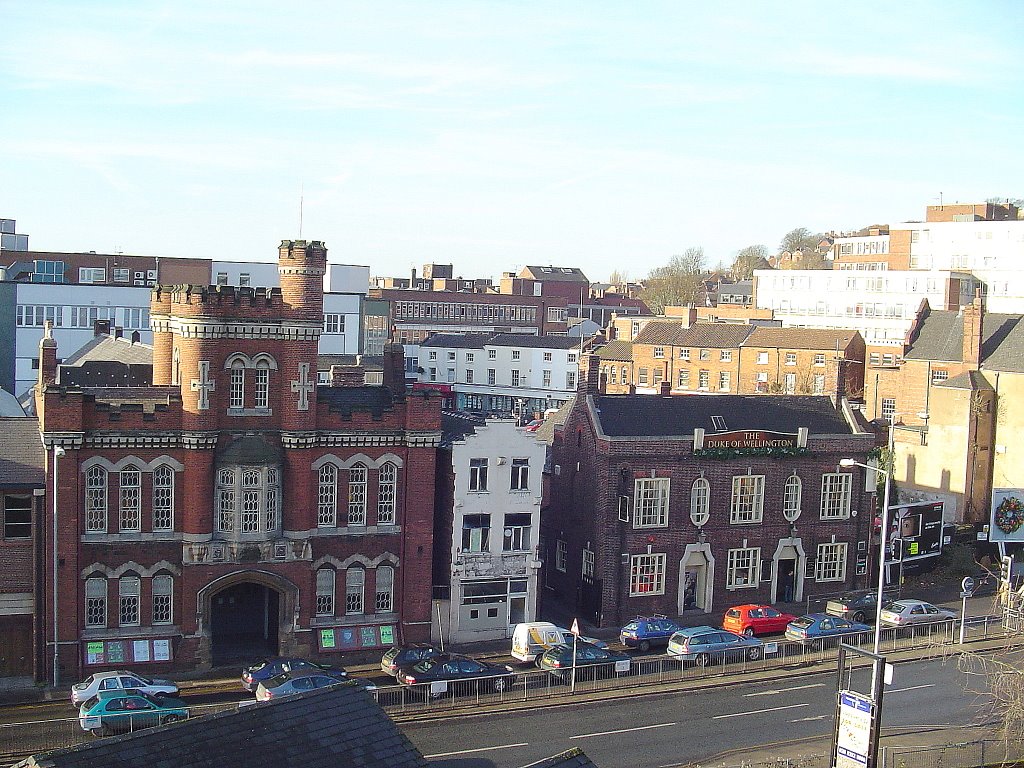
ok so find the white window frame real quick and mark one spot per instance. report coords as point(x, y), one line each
point(327, 496)
point(647, 574)
point(96, 500)
point(743, 568)
point(163, 599)
point(325, 584)
point(357, 481)
point(791, 497)
point(830, 561)
point(520, 475)
point(355, 591)
point(96, 602)
point(163, 498)
point(700, 502)
point(384, 589)
point(129, 483)
point(387, 493)
point(836, 495)
point(561, 555)
point(747, 502)
point(129, 591)
point(650, 502)
point(478, 475)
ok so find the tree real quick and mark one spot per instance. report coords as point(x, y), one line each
point(618, 277)
point(676, 283)
point(803, 240)
point(747, 260)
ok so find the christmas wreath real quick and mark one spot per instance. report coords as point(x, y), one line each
point(1010, 514)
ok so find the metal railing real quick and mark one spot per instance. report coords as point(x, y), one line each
point(21, 739)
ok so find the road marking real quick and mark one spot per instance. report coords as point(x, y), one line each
point(785, 690)
point(481, 749)
point(808, 719)
point(760, 711)
point(911, 688)
point(624, 730)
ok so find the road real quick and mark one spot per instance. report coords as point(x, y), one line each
point(658, 730)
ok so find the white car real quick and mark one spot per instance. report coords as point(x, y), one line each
point(120, 680)
point(903, 612)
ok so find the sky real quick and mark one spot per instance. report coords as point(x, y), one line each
point(491, 135)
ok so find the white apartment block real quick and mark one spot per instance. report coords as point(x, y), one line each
point(880, 304)
point(74, 308)
point(495, 513)
point(501, 373)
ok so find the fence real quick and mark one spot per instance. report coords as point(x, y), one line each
point(20, 739)
point(967, 754)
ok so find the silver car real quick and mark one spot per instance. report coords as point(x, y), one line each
point(304, 680)
point(119, 680)
point(904, 612)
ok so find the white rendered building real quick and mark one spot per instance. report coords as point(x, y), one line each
point(492, 496)
point(502, 373)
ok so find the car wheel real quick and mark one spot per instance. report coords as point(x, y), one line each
point(703, 659)
point(172, 719)
point(644, 645)
point(753, 654)
point(749, 631)
point(500, 684)
point(859, 617)
point(102, 731)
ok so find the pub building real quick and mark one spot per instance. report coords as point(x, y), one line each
point(691, 504)
point(234, 508)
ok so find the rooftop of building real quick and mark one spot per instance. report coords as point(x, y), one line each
point(799, 338)
point(677, 416)
point(616, 350)
point(326, 728)
point(704, 335)
point(22, 456)
point(456, 425)
point(940, 338)
point(481, 340)
point(554, 274)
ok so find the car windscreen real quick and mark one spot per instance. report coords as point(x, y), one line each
point(803, 622)
point(276, 681)
point(632, 626)
point(897, 607)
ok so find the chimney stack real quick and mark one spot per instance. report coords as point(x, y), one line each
point(47, 356)
point(973, 315)
point(348, 375)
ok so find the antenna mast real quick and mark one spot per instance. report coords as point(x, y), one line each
point(302, 190)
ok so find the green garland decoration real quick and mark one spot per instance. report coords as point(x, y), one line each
point(779, 452)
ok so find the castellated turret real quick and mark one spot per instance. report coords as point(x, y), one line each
point(302, 265)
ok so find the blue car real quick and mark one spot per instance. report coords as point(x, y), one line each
point(815, 625)
point(645, 632)
point(268, 668)
point(111, 712)
point(708, 645)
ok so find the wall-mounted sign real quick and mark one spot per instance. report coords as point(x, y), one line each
point(749, 442)
point(354, 638)
point(127, 651)
point(1007, 522)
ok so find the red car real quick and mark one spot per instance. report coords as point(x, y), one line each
point(756, 620)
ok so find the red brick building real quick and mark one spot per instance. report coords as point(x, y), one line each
point(234, 508)
point(670, 504)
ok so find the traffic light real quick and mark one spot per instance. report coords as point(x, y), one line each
point(897, 549)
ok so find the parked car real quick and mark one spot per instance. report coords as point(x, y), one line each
point(531, 638)
point(117, 711)
point(295, 682)
point(707, 645)
point(407, 655)
point(860, 607)
point(254, 675)
point(559, 659)
point(119, 680)
point(904, 612)
point(753, 619)
point(646, 632)
point(815, 625)
point(456, 668)
point(567, 637)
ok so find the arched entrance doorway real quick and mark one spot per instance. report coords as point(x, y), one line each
point(244, 621)
point(247, 614)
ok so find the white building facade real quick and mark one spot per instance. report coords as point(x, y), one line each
point(881, 304)
point(495, 514)
point(502, 373)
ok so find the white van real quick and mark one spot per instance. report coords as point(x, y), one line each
point(532, 638)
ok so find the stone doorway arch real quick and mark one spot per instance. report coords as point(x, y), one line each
point(245, 615)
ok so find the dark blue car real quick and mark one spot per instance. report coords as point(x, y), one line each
point(815, 625)
point(646, 632)
point(268, 668)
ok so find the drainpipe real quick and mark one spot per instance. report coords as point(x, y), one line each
point(57, 452)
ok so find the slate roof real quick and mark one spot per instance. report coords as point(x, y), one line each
point(706, 335)
point(678, 416)
point(573, 758)
point(480, 340)
point(369, 362)
point(534, 342)
point(616, 350)
point(110, 349)
point(972, 380)
point(349, 400)
point(799, 338)
point(940, 337)
point(457, 340)
point(455, 425)
point(337, 727)
point(21, 453)
point(574, 275)
point(546, 431)
point(249, 449)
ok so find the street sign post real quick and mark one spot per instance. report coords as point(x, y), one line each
point(966, 590)
point(858, 715)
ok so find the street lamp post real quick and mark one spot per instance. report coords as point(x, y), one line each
point(883, 536)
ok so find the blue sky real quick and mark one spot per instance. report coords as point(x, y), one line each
point(490, 135)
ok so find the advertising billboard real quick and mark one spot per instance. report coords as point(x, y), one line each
point(915, 531)
point(1007, 520)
